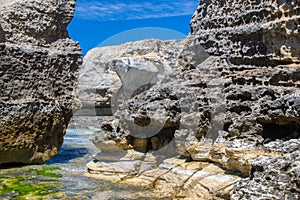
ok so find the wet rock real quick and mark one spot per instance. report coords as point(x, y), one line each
point(118, 168)
point(176, 178)
point(39, 68)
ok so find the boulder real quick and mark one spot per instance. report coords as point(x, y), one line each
point(38, 68)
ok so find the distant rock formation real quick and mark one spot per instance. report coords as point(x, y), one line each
point(237, 109)
point(38, 70)
point(110, 75)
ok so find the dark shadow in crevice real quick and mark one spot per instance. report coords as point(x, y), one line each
point(154, 143)
point(230, 172)
point(2, 35)
point(13, 165)
point(273, 131)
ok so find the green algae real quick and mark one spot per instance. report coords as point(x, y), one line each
point(108, 188)
point(51, 168)
point(20, 189)
point(118, 183)
point(46, 171)
point(25, 186)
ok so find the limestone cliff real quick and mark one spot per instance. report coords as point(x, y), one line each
point(233, 98)
point(38, 69)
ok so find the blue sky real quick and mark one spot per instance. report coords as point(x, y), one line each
point(98, 21)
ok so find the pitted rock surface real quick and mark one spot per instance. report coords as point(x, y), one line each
point(39, 69)
point(234, 93)
point(273, 178)
point(254, 32)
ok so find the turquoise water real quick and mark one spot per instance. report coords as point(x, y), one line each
point(69, 180)
point(63, 177)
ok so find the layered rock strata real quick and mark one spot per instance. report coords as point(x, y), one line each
point(111, 75)
point(233, 101)
point(38, 68)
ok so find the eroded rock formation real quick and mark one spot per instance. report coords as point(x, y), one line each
point(38, 69)
point(111, 75)
point(273, 177)
point(232, 99)
point(254, 32)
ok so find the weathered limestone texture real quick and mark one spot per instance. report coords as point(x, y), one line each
point(110, 75)
point(233, 101)
point(273, 177)
point(38, 70)
point(264, 32)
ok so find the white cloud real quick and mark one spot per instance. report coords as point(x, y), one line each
point(106, 10)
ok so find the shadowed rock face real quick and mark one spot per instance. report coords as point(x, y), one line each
point(38, 70)
point(2, 36)
point(233, 98)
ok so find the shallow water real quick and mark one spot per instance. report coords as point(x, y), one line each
point(71, 165)
point(63, 177)
point(69, 182)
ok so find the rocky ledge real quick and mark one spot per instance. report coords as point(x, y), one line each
point(38, 68)
point(226, 123)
